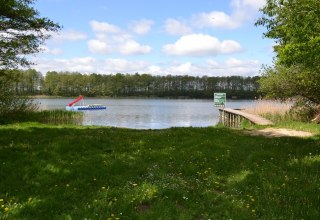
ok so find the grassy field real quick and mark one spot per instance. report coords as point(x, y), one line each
point(74, 172)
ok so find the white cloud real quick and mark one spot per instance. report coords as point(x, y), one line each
point(215, 19)
point(104, 27)
point(228, 67)
point(175, 27)
point(126, 47)
point(124, 66)
point(54, 51)
point(78, 64)
point(91, 65)
point(131, 47)
point(69, 35)
point(117, 41)
point(141, 27)
point(97, 46)
point(154, 69)
point(201, 45)
point(234, 66)
point(183, 69)
point(242, 11)
point(211, 67)
point(251, 4)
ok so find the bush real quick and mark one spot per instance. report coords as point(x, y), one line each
point(303, 110)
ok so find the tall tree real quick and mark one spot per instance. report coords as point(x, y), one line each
point(22, 31)
point(295, 27)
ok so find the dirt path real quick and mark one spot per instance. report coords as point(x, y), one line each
point(279, 132)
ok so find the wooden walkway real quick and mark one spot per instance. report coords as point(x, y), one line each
point(232, 118)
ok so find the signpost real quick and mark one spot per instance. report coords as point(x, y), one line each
point(220, 99)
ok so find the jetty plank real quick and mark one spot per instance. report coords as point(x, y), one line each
point(258, 120)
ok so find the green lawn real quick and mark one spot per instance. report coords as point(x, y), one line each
point(74, 172)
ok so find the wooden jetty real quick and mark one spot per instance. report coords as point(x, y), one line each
point(232, 118)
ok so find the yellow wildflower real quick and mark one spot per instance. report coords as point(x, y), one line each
point(6, 209)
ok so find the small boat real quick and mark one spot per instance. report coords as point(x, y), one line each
point(72, 107)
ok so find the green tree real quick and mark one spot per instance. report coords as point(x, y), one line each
point(295, 27)
point(22, 31)
point(11, 105)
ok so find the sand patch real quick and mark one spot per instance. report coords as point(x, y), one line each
point(279, 132)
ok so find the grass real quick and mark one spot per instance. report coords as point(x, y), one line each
point(55, 116)
point(279, 113)
point(76, 172)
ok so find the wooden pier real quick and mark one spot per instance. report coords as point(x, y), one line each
point(233, 118)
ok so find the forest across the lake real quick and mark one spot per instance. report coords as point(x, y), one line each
point(70, 84)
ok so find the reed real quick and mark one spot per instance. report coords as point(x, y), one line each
point(57, 116)
point(273, 110)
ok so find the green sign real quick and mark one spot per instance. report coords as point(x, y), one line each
point(220, 99)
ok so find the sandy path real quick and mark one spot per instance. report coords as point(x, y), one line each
point(279, 132)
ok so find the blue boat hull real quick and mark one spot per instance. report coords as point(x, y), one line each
point(85, 108)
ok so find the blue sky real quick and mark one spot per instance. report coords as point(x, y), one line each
point(177, 37)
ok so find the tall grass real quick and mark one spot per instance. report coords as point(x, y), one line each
point(262, 107)
point(274, 110)
point(56, 116)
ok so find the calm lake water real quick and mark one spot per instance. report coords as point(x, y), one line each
point(148, 113)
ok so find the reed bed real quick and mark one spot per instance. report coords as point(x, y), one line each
point(273, 110)
point(57, 116)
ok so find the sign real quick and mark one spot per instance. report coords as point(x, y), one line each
point(220, 99)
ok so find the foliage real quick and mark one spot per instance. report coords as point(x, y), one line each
point(295, 26)
point(70, 172)
point(11, 105)
point(22, 31)
point(124, 85)
point(283, 82)
point(303, 110)
point(55, 116)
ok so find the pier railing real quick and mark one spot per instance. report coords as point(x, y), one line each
point(233, 118)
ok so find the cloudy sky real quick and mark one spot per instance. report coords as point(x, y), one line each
point(177, 37)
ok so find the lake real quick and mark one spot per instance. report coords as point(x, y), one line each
point(148, 113)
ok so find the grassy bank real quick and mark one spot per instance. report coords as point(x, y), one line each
point(55, 116)
point(71, 172)
point(282, 115)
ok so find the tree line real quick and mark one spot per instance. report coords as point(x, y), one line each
point(294, 25)
point(69, 84)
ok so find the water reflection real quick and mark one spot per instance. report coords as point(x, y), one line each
point(148, 113)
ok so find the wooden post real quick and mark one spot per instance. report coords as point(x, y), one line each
point(233, 120)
